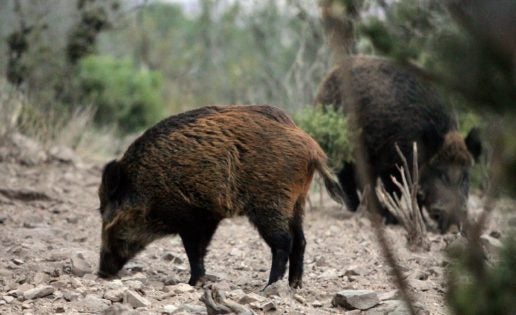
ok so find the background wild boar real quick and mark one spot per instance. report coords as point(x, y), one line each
point(192, 170)
point(393, 106)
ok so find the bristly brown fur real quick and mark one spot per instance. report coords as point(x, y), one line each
point(192, 170)
point(389, 104)
point(453, 151)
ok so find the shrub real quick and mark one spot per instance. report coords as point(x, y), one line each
point(121, 94)
point(329, 127)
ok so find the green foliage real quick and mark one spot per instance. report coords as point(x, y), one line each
point(476, 289)
point(329, 127)
point(121, 93)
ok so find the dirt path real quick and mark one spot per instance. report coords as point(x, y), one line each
point(49, 235)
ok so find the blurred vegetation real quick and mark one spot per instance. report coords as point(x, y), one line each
point(122, 94)
point(488, 291)
point(329, 128)
point(71, 54)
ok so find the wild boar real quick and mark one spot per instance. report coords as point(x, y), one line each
point(391, 104)
point(190, 171)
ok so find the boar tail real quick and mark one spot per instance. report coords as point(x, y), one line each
point(331, 182)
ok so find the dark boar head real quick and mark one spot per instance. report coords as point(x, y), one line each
point(124, 228)
point(444, 180)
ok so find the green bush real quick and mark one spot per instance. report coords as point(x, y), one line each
point(121, 93)
point(329, 127)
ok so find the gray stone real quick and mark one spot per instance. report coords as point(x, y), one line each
point(38, 292)
point(317, 303)
point(181, 288)
point(134, 284)
point(299, 298)
point(120, 309)
point(356, 299)
point(71, 296)
point(279, 288)
point(172, 258)
point(394, 307)
point(251, 298)
point(8, 299)
point(17, 261)
point(63, 154)
point(330, 273)
point(268, 306)
point(80, 266)
point(115, 295)
point(59, 309)
point(135, 300)
point(169, 309)
point(191, 309)
point(92, 304)
point(390, 295)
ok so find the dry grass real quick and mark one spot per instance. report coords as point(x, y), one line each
point(405, 206)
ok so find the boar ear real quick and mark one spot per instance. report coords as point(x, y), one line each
point(473, 143)
point(111, 178)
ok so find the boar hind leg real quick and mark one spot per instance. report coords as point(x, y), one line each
point(273, 226)
point(196, 239)
point(295, 273)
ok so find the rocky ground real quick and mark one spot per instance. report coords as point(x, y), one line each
point(50, 236)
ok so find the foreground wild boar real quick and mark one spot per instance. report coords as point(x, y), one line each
point(192, 170)
point(393, 106)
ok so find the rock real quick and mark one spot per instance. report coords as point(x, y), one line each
point(236, 294)
point(169, 309)
point(120, 309)
point(278, 288)
point(134, 284)
point(59, 309)
point(71, 296)
point(394, 307)
point(299, 298)
point(172, 258)
point(356, 299)
point(355, 270)
point(8, 299)
point(114, 284)
point(80, 266)
point(76, 283)
point(171, 280)
point(135, 300)
point(26, 305)
point(17, 261)
point(317, 303)
point(40, 278)
point(38, 292)
point(139, 276)
point(330, 273)
point(391, 295)
point(191, 309)
point(181, 288)
point(63, 154)
point(92, 304)
point(251, 298)
point(268, 306)
point(115, 295)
